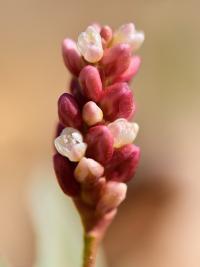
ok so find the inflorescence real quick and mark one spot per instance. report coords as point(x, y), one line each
point(95, 156)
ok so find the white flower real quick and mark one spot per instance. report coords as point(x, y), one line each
point(90, 45)
point(128, 34)
point(70, 144)
point(124, 132)
point(88, 170)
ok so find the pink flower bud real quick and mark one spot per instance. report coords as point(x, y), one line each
point(91, 83)
point(116, 59)
point(130, 72)
point(64, 172)
point(88, 171)
point(106, 34)
point(112, 196)
point(117, 102)
point(123, 164)
point(72, 57)
point(100, 144)
point(91, 113)
point(68, 111)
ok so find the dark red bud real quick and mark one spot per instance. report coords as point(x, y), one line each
point(130, 72)
point(117, 102)
point(64, 173)
point(91, 83)
point(116, 59)
point(68, 111)
point(100, 144)
point(72, 58)
point(75, 89)
point(59, 129)
point(123, 164)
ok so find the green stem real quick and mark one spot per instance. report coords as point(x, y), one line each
point(90, 250)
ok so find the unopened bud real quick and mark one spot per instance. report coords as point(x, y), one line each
point(70, 144)
point(72, 57)
point(89, 45)
point(128, 34)
point(76, 91)
point(91, 192)
point(59, 128)
point(91, 113)
point(100, 143)
point(112, 196)
point(117, 102)
point(122, 166)
point(65, 176)
point(116, 59)
point(106, 34)
point(88, 170)
point(130, 72)
point(68, 111)
point(124, 132)
point(91, 83)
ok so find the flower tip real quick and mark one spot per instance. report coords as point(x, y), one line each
point(90, 45)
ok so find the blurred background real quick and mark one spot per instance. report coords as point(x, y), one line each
point(159, 224)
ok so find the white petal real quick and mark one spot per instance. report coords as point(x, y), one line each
point(128, 34)
point(70, 144)
point(90, 45)
point(124, 132)
point(137, 40)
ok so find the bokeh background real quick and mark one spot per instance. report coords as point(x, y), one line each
point(159, 224)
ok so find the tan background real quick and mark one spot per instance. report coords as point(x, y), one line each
point(158, 226)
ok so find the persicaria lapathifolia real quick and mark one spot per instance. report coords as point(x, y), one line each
point(95, 155)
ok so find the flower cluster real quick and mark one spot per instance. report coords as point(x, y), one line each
point(95, 156)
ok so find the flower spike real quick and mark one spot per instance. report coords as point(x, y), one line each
point(95, 155)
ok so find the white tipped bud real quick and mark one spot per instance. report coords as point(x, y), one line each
point(90, 45)
point(88, 170)
point(92, 114)
point(112, 196)
point(70, 144)
point(124, 132)
point(128, 34)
